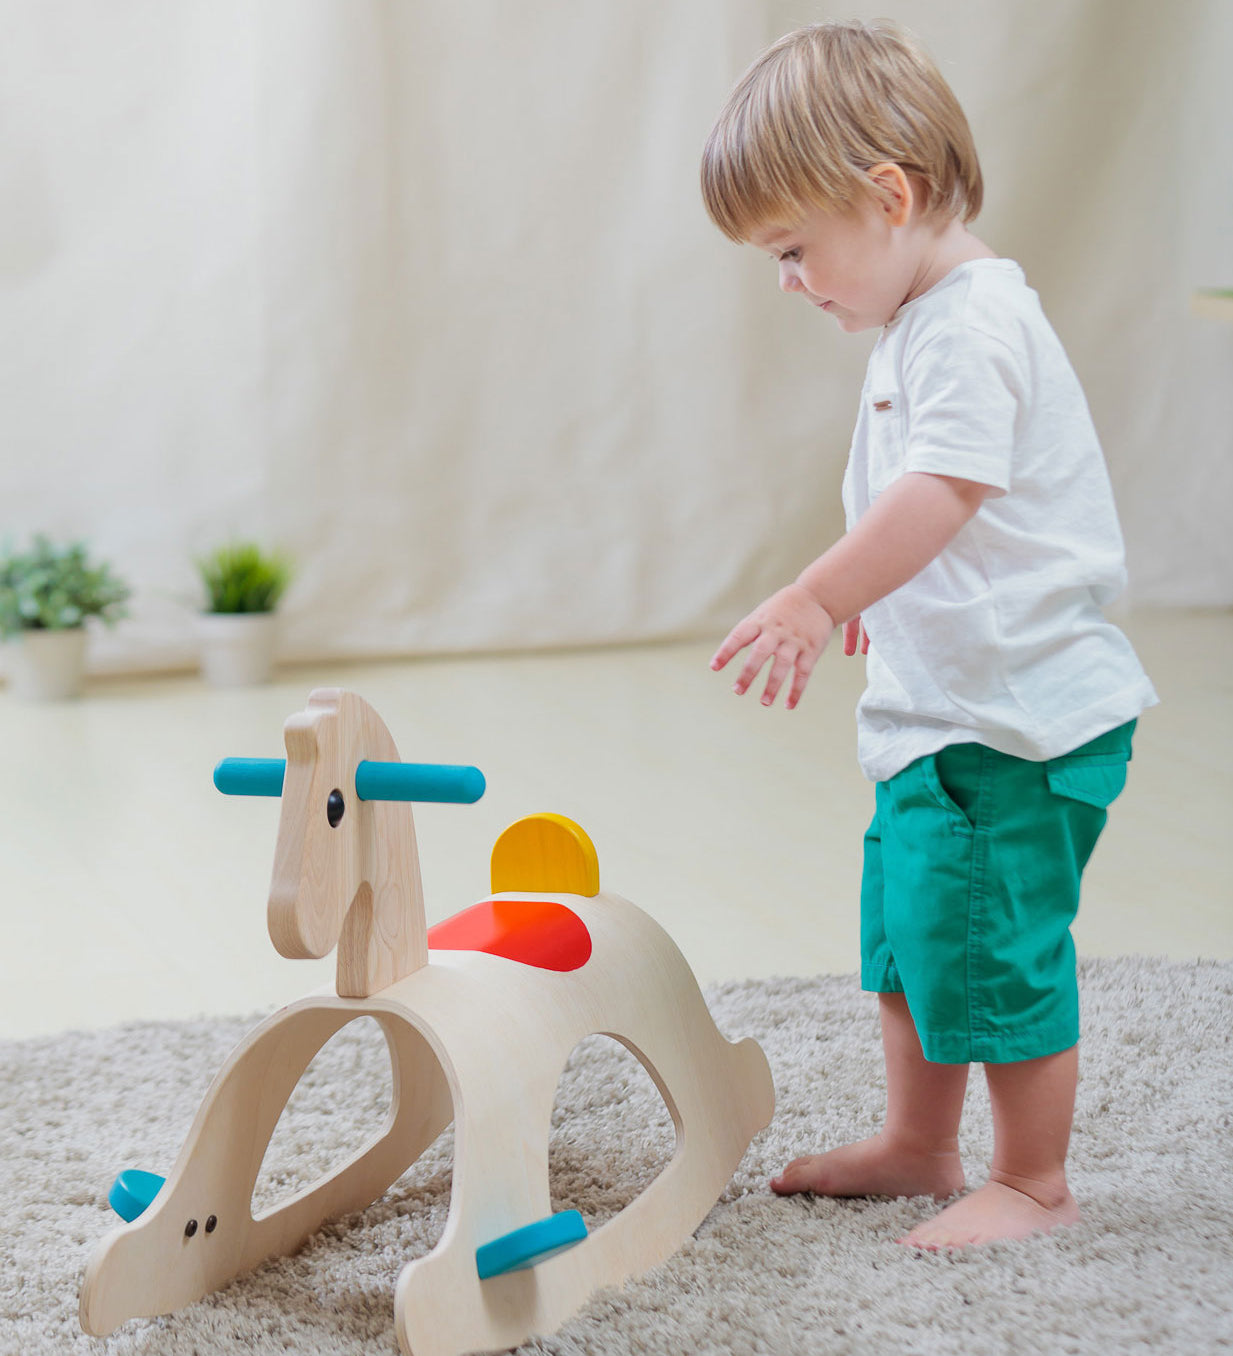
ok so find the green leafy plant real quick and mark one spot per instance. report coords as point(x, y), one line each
point(241, 577)
point(55, 588)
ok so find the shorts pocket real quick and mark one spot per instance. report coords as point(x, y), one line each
point(1093, 781)
point(960, 823)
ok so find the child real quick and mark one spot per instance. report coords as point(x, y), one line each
point(982, 543)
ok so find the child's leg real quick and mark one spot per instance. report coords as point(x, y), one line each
point(1033, 1105)
point(917, 1151)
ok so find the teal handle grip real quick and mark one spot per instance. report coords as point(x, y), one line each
point(441, 782)
point(250, 776)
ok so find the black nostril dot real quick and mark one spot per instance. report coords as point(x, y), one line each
point(190, 1228)
point(334, 808)
point(211, 1224)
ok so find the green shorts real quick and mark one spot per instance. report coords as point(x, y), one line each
point(971, 883)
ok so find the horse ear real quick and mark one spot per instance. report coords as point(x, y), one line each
point(300, 736)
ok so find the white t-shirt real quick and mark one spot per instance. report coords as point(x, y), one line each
point(1000, 640)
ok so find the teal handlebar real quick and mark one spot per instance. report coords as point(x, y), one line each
point(440, 782)
point(250, 776)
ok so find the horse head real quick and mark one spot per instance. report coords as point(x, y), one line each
point(346, 869)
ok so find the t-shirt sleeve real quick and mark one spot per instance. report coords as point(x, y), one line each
point(964, 390)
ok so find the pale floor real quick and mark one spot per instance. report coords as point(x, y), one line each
point(129, 888)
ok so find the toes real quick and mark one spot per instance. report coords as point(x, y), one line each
point(942, 1234)
point(794, 1178)
point(933, 1244)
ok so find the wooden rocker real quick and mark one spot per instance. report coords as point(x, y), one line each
point(480, 1015)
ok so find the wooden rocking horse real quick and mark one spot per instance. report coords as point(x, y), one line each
point(480, 1015)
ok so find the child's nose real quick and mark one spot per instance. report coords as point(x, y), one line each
point(788, 279)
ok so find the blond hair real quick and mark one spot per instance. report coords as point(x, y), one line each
point(820, 108)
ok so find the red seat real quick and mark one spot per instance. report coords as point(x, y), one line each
point(531, 931)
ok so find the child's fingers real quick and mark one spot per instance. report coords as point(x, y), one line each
point(800, 676)
point(781, 665)
point(741, 635)
point(759, 652)
point(855, 636)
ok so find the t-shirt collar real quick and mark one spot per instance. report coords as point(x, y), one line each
point(956, 274)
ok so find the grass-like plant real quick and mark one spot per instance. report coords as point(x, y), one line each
point(56, 588)
point(241, 577)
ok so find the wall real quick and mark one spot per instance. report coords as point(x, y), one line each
point(423, 293)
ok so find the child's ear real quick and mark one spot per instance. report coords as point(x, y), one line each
point(893, 190)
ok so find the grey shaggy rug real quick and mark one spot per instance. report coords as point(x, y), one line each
point(1150, 1267)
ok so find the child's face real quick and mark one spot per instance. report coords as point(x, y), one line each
point(851, 264)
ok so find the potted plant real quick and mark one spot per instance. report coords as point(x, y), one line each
point(243, 587)
point(47, 594)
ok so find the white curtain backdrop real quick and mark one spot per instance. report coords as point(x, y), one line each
point(422, 292)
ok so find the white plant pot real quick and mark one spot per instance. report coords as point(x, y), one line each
point(47, 666)
point(237, 648)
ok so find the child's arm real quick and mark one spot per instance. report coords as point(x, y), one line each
point(910, 523)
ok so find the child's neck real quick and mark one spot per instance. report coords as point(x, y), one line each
point(942, 247)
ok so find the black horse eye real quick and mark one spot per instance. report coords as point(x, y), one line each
point(334, 808)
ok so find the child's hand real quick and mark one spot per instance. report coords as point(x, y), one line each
point(791, 629)
point(853, 634)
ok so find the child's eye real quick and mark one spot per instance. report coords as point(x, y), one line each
point(792, 255)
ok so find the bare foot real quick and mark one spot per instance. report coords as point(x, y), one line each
point(993, 1212)
point(874, 1167)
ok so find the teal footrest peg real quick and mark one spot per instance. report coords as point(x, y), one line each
point(132, 1192)
point(531, 1244)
